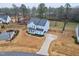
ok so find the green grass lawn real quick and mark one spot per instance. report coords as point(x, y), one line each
point(59, 25)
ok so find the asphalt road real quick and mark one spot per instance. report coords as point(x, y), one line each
point(18, 54)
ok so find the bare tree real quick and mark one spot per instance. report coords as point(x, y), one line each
point(67, 10)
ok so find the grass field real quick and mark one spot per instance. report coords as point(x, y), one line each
point(59, 25)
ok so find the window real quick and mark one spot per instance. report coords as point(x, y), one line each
point(31, 29)
point(39, 29)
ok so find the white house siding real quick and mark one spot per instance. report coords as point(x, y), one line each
point(46, 26)
point(77, 30)
point(29, 26)
point(8, 20)
point(38, 31)
point(2, 20)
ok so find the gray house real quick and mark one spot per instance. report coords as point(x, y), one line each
point(38, 26)
point(77, 33)
point(4, 19)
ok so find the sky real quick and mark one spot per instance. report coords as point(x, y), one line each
point(30, 5)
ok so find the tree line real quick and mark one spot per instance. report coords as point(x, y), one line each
point(42, 11)
point(64, 13)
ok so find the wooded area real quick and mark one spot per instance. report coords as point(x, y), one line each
point(63, 13)
point(42, 11)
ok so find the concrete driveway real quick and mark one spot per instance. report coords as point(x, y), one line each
point(45, 46)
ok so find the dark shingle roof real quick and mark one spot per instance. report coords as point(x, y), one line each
point(3, 17)
point(38, 21)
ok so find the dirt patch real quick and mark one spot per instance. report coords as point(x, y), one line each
point(64, 44)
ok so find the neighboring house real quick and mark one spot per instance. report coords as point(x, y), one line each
point(23, 20)
point(77, 33)
point(38, 26)
point(4, 19)
point(14, 19)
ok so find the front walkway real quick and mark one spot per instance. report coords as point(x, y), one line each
point(45, 46)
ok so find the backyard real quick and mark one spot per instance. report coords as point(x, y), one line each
point(65, 44)
point(58, 25)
